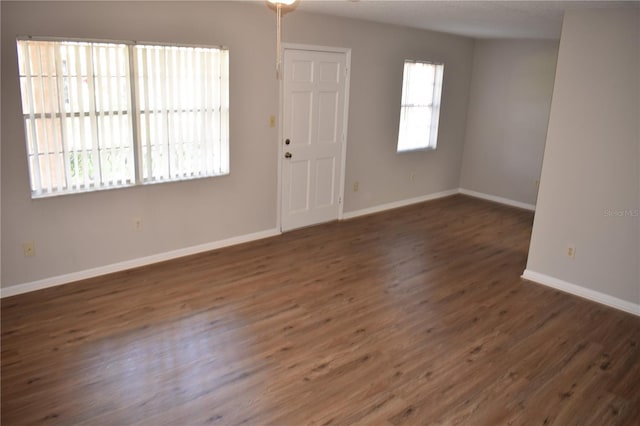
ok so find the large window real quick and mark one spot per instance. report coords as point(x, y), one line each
point(102, 115)
point(420, 107)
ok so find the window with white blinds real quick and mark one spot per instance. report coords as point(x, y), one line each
point(183, 103)
point(102, 115)
point(420, 107)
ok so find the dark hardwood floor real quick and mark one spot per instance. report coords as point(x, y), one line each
point(412, 316)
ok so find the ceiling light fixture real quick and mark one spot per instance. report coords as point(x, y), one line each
point(278, 4)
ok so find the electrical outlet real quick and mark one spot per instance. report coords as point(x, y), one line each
point(29, 248)
point(356, 186)
point(272, 121)
point(137, 224)
point(571, 251)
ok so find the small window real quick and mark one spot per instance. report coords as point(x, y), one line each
point(420, 107)
point(101, 115)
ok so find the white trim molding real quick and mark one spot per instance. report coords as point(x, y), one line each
point(398, 204)
point(161, 257)
point(497, 199)
point(133, 263)
point(583, 292)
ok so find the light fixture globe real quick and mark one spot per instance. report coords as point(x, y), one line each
point(282, 2)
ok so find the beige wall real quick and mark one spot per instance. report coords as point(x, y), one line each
point(79, 232)
point(592, 156)
point(508, 115)
point(376, 88)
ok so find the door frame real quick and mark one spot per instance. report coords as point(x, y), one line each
point(313, 48)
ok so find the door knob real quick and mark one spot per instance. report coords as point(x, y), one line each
point(287, 141)
point(288, 155)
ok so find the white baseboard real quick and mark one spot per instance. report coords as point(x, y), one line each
point(397, 204)
point(497, 199)
point(133, 263)
point(586, 293)
point(161, 257)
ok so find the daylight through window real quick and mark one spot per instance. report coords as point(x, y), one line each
point(102, 115)
point(420, 107)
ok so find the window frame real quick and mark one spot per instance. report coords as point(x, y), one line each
point(133, 127)
point(434, 106)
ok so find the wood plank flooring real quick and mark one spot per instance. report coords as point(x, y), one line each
point(412, 316)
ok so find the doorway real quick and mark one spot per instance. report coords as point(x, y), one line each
point(313, 135)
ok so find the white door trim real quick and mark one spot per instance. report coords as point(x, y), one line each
point(313, 48)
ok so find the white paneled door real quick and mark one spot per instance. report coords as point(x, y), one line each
point(313, 136)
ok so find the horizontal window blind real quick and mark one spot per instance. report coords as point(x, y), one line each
point(102, 115)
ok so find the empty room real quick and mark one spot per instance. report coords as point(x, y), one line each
point(293, 212)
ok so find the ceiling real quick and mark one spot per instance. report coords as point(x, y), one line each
point(478, 19)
